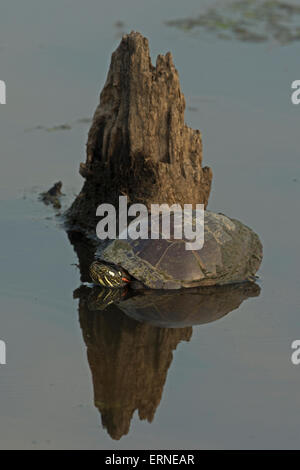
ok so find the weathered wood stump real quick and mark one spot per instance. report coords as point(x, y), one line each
point(138, 144)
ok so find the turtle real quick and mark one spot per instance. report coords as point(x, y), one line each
point(231, 253)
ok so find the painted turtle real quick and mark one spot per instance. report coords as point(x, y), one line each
point(231, 253)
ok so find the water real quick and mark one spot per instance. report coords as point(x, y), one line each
point(229, 383)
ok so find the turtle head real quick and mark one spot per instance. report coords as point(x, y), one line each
point(107, 275)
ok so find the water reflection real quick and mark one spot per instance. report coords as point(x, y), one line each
point(129, 362)
point(131, 335)
point(172, 309)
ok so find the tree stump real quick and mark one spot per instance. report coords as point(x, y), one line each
point(138, 144)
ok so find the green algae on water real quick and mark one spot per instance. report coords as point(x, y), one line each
point(247, 20)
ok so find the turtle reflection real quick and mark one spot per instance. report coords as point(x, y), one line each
point(176, 308)
point(130, 338)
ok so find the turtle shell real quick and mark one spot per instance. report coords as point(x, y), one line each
point(231, 253)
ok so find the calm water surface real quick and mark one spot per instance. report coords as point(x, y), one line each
point(81, 378)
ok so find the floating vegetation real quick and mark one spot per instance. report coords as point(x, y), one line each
point(248, 20)
point(60, 127)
